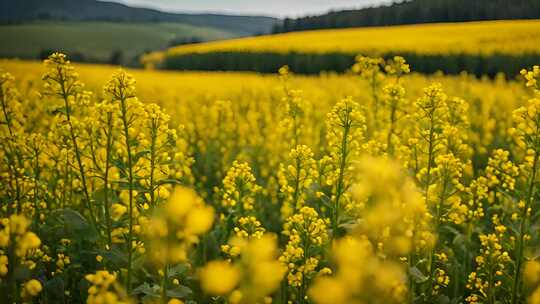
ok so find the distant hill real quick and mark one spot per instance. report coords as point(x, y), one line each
point(19, 11)
point(99, 41)
point(417, 11)
point(108, 32)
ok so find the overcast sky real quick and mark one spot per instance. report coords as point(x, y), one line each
point(278, 8)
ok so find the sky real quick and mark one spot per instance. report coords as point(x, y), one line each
point(277, 8)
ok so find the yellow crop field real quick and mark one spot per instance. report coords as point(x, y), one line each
point(486, 38)
point(380, 185)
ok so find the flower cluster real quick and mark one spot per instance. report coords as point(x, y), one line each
point(307, 236)
point(532, 77)
point(296, 178)
point(177, 225)
point(394, 217)
point(105, 289)
point(239, 189)
point(17, 247)
point(492, 263)
point(252, 278)
point(378, 281)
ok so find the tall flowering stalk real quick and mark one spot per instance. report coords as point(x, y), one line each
point(62, 81)
point(100, 134)
point(431, 111)
point(437, 174)
point(527, 134)
point(36, 153)
point(345, 134)
point(108, 159)
point(10, 134)
point(394, 97)
point(371, 69)
point(293, 124)
point(121, 88)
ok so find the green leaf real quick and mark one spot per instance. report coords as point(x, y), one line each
point(21, 273)
point(59, 110)
point(124, 185)
point(417, 275)
point(177, 270)
point(180, 291)
point(73, 219)
point(99, 195)
point(115, 256)
point(348, 225)
point(460, 242)
point(146, 289)
point(76, 225)
point(139, 155)
point(54, 290)
point(442, 299)
point(451, 230)
point(120, 164)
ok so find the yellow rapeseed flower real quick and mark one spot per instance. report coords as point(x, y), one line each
point(219, 277)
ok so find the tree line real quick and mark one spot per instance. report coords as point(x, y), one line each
point(416, 11)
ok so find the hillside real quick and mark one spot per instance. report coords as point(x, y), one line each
point(91, 10)
point(108, 32)
point(417, 11)
point(98, 41)
point(474, 46)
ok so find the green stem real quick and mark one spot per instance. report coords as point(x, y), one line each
point(36, 187)
point(426, 194)
point(391, 130)
point(430, 159)
point(130, 182)
point(296, 185)
point(375, 98)
point(14, 172)
point(342, 163)
point(164, 284)
point(82, 173)
point(153, 163)
point(106, 177)
point(11, 294)
point(522, 227)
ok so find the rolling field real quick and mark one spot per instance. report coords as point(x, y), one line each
point(477, 47)
point(506, 37)
point(378, 186)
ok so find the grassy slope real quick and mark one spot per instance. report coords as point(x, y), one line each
point(97, 40)
point(508, 37)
